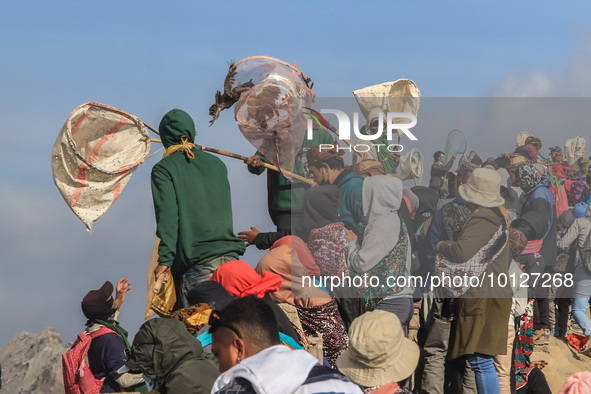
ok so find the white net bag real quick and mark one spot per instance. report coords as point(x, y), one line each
point(94, 156)
point(402, 95)
point(574, 149)
point(411, 165)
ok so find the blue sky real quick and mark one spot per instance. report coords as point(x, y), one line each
point(148, 57)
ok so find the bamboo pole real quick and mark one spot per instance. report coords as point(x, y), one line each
point(244, 158)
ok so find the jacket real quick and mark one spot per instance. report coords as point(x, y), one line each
point(192, 202)
point(165, 352)
point(483, 312)
point(539, 211)
point(438, 171)
point(279, 370)
point(578, 231)
point(350, 186)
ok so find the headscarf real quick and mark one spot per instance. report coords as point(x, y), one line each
point(304, 254)
point(531, 153)
point(517, 241)
point(321, 206)
point(584, 164)
point(241, 280)
point(412, 198)
point(368, 167)
point(428, 199)
point(530, 177)
point(576, 189)
point(283, 261)
point(565, 220)
point(464, 172)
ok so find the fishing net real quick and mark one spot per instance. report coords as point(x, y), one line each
point(94, 156)
point(455, 144)
point(574, 149)
point(402, 95)
point(270, 98)
point(411, 165)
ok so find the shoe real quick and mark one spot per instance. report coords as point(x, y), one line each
point(586, 350)
point(561, 334)
point(542, 337)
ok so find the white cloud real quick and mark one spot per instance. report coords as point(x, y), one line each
point(573, 81)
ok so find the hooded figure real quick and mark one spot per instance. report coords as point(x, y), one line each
point(384, 250)
point(164, 351)
point(538, 211)
point(193, 207)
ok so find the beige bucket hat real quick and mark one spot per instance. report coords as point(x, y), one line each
point(378, 352)
point(483, 188)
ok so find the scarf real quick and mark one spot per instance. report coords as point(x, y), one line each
point(184, 146)
point(284, 261)
point(241, 280)
point(476, 265)
point(113, 325)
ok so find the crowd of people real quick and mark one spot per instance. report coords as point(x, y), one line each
point(518, 223)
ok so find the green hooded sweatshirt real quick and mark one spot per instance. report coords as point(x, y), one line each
point(192, 202)
point(165, 352)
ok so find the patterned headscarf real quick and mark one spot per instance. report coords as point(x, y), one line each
point(530, 177)
point(464, 172)
point(517, 241)
point(532, 151)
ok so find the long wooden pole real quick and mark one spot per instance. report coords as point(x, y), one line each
point(244, 158)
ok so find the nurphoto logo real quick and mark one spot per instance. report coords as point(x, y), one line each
point(396, 123)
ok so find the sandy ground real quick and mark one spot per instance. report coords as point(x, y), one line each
point(562, 360)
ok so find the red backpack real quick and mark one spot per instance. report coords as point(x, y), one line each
point(78, 379)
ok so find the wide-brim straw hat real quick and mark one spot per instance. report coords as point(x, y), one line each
point(483, 188)
point(378, 352)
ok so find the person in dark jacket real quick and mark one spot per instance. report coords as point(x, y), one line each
point(107, 353)
point(165, 352)
point(193, 208)
point(326, 164)
point(438, 171)
point(538, 222)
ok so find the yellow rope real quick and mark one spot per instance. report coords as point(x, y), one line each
point(185, 146)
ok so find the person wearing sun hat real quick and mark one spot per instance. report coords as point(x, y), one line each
point(379, 357)
point(480, 331)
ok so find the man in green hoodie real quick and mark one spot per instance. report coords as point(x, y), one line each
point(193, 208)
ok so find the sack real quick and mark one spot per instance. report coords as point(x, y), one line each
point(475, 266)
point(78, 379)
point(585, 253)
point(94, 156)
